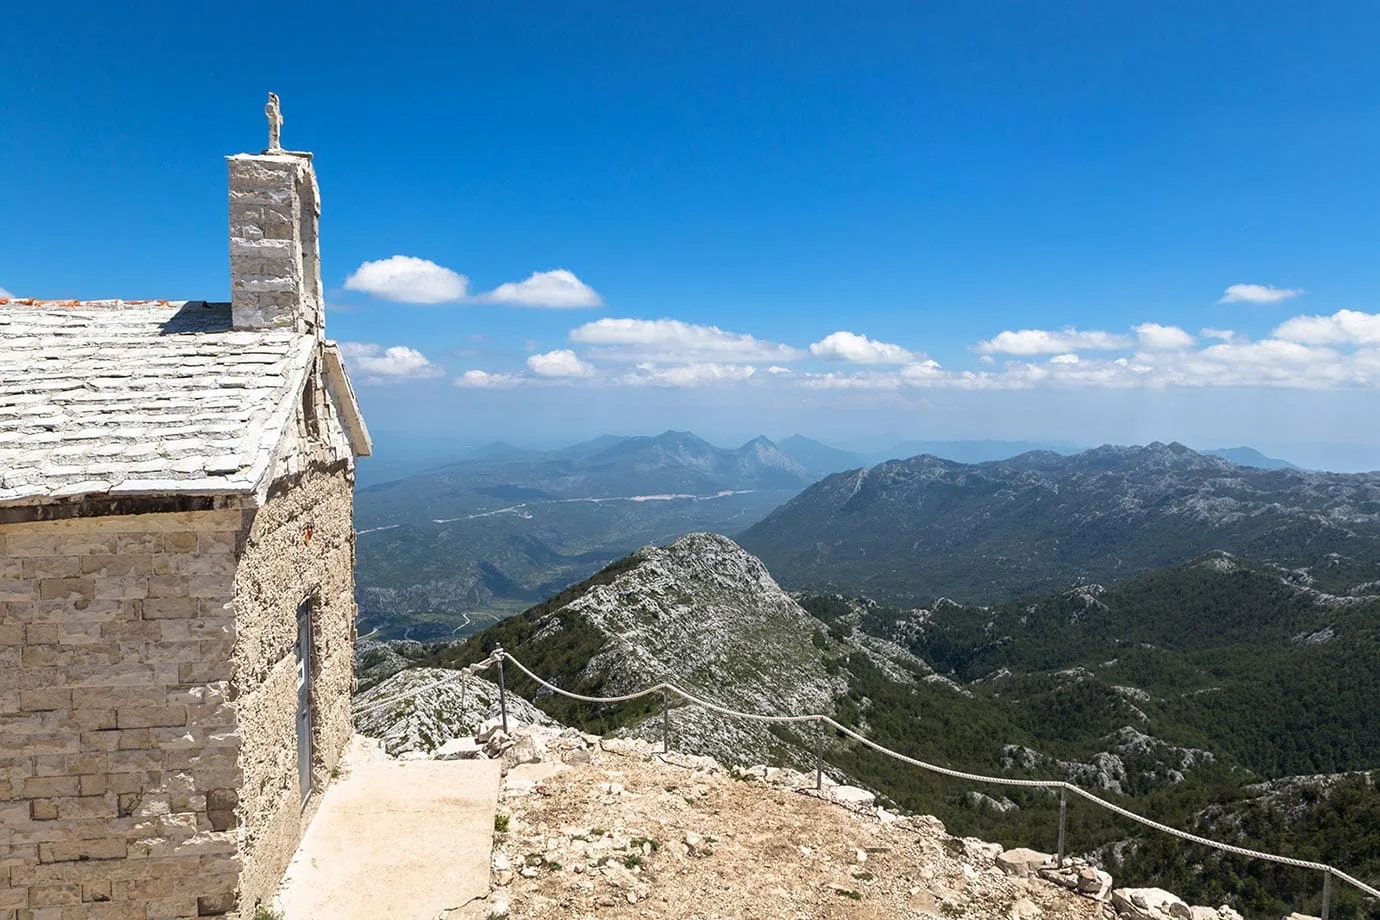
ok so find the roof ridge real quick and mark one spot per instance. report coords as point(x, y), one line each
point(104, 303)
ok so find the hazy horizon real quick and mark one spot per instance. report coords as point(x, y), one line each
point(399, 454)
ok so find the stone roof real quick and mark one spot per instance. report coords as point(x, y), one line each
point(126, 398)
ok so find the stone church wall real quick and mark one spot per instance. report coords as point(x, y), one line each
point(299, 546)
point(119, 768)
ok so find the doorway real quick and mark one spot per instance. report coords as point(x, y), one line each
point(303, 651)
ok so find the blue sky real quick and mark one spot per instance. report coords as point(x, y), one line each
point(860, 221)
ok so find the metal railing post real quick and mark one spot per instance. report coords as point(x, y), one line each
point(1327, 895)
point(1063, 823)
point(819, 757)
point(502, 690)
point(665, 722)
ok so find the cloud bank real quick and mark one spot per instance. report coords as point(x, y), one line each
point(1306, 352)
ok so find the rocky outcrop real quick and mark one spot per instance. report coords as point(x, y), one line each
point(417, 711)
point(705, 614)
point(1130, 754)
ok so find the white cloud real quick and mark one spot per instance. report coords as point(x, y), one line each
point(560, 363)
point(690, 375)
point(486, 380)
point(1257, 293)
point(674, 342)
point(859, 349)
point(922, 371)
point(556, 288)
point(408, 279)
point(1069, 358)
point(1048, 342)
point(1160, 338)
point(1345, 327)
point(1226, 335)
point(376, 364)
point(5, 295)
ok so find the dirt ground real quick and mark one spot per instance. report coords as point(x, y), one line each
point(618, 831)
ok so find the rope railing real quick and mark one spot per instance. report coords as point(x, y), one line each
point(666, 689)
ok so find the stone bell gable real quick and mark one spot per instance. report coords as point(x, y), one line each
point(176, 578)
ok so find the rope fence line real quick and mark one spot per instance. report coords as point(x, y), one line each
point(666, 688)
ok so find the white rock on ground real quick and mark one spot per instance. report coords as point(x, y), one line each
point(1023, 862)
point(1149, 904)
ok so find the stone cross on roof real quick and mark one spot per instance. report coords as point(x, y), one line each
point(275, 124)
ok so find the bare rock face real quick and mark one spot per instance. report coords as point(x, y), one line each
point(420, 709)
point(708, 616)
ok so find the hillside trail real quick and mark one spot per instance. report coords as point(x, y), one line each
point(619, 830)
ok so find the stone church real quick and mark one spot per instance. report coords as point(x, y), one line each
point(176, 577)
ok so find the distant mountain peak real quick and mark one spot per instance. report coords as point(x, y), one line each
point(818, 458)
point(984, 532)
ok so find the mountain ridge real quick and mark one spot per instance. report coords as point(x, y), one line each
point(910, 530)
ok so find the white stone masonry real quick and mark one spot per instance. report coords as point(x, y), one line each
point(275, 263)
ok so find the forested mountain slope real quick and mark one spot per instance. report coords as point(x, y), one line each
point(1173, 692)
point(912, 530)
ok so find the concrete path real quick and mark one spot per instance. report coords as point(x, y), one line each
point(398, 839)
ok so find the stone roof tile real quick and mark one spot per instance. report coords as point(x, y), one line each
point(140, 397)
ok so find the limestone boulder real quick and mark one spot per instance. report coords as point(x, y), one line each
point(981, 850)
point(486, 730)
point(1084, 879)
point(1023, 862)
point(459, 749)
point(1219, 913)
point(1149, 904)
point(852, 796)
point(527, 747)
point(1094, 883)
point(497, 742)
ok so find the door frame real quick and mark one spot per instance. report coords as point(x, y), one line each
point(304, 656)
